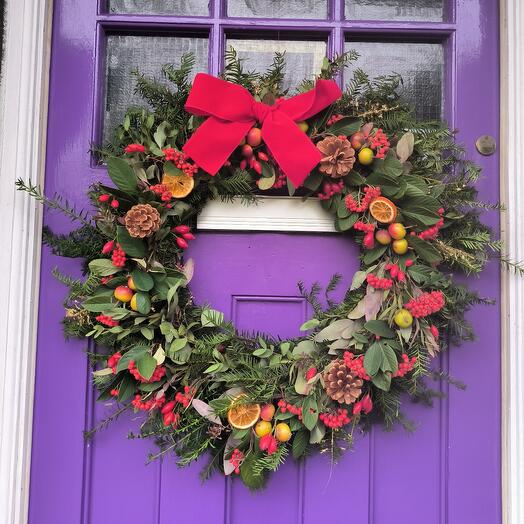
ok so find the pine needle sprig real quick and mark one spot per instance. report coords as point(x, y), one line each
point(56, 202)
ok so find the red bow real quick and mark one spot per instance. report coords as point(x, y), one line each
point(232, 112)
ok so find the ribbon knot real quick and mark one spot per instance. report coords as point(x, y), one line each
point(232, 111)
point(261, 111)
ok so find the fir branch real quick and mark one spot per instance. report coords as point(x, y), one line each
point(56, 203)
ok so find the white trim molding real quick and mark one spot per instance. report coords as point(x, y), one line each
point(23, 120)
point(512, 191)
point(272, 213)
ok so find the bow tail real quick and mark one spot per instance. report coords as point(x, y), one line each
point(291, 147)
point(214, 141)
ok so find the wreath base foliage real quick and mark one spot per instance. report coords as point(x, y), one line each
point(249, 401)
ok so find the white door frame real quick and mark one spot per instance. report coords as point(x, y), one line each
point(23, 120)
point(23, 116)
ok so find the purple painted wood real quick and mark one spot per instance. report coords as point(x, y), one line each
point(447, 471)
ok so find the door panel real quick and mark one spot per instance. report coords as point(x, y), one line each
point(449, 469)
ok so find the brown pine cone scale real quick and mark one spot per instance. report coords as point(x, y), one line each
point(340, 384)
point(142, 220)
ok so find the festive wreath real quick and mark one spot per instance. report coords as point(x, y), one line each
point(401, 188)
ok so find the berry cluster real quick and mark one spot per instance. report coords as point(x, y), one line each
point(370, 194)
point(396, 272)
point(363, 226)
point(329, 189)
point(356, 365)
point(310, 373)
point(363, 405)
point(134, 148)
point(107, 320)
point(434, 331)
point(162, 191)
point(118, 257)
point(335, 420)
point(105, 280)
point(185, 234)
point(147, 405)
point(268, 443)
point(180, 160)
point(379, 141)
point(333, 119)
point(379, 283)
point(432, 232)
point(405, 366)
point(236, 459)
point(114, 393)
point(159, 372)
point(106, 197)
point(280, 181)
point(185, 397)
point(285, 406)
point(112, 361)
point(426, 304)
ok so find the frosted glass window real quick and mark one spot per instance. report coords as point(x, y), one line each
point(420, 65)
point(303, 58)
point(160, 7)
point(306, 9)
point(420, 10)
point(147, 54)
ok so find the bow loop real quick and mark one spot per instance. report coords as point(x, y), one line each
point(232, 111)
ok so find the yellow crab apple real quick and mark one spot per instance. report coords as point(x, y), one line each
point(263, 427)
point(267, 412)
point(123, 294)
point(397, 231)
point(282, 432)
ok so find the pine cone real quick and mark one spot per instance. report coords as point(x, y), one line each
point(142, 220)
point(340, 384)
point(338, 156)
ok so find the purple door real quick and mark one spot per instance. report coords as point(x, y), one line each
point(448, 471)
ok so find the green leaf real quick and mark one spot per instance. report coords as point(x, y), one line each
point(390, 362)
point(122, 174)
point(389, 184)
point(177, 345)
point(249, 478)
point(97, 304)
point(142, 280)
point(300, 442)
point(310, 324)
point(317, 433)
point(211, 318)
point(343, 224)
point(133, 247)
point(305, 347)
point(380, 328)
point(373, 359)
point(143, 303)
point(146, 365)
point(103, 267)
point(268, 171)
point(160, 134)
point(373, 254)
point(127, 388)
point(389, 165)
point(313, 181)
point(290, 187)
point(424, 250)
point(405, 146)
point(358, 279)
point(354, 179)
point(382, 381)
point(345, 126)
point(147, 333)
point(309, 412)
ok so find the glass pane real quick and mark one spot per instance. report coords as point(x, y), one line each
point(277, 8)
point(420, 65)
point(147, 54)
point(303, 59)
point(423, 10)
point(160, 7)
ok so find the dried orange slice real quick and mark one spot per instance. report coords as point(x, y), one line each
point(179, 185)
point(243, 416)
point(383, 210)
